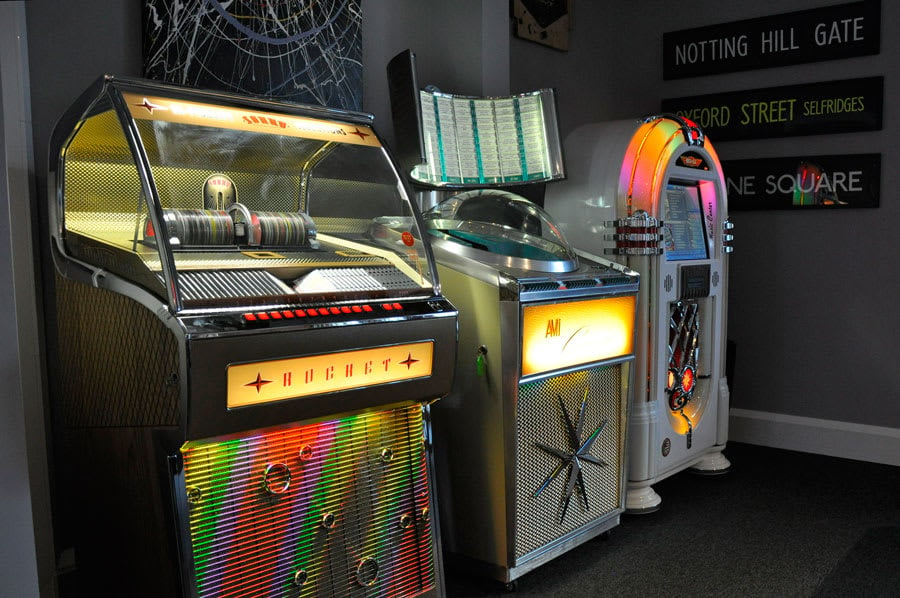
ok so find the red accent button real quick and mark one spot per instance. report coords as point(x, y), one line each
point(276, 315)
point(262, 315)
point(249, 317)
point(288, 314)
point(334, 310)
point(323, 311)
point(300, 313)
point(397, 306)
point(312, 312)
point(367, 308)
point(357, 309)
point(345, 309)
point(387, 306)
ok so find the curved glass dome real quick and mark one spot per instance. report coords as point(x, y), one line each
point(504, 224)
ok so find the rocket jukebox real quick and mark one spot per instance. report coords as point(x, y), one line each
point(530, 443)
point(652, 193)
point(247, 325)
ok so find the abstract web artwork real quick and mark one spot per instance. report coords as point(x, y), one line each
point(302, 51)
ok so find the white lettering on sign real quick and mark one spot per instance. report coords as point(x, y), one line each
point(777, 40)
point(711, 50)
point(836, 181)
point(839, 32)
point(742, 185)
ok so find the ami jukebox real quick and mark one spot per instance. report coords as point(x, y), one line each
point(530, 443)
point(248, 331)
point(652, 193)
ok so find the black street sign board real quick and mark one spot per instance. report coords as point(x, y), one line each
point(842, 106)
point(826, 182)
point(819, 34)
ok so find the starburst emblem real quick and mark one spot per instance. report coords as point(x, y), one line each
point(359, 133)
point(579, 452)
point(149, 106)
point(409, 361)
point(258, 383)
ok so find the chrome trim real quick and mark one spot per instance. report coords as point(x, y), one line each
point(505, 261)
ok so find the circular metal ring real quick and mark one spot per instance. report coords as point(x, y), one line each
point(194, 495)
point(277, 478)
point(300, 577)
point(367, 572)
point(328, 520)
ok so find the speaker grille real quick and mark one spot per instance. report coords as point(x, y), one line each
point(336, 508)
point(541, 514)
point(118, 363)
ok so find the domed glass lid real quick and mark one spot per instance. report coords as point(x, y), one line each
point(502, 223)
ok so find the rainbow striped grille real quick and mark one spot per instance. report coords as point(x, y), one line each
point(337, 508)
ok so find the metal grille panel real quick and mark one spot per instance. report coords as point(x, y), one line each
point(541, 519)
point(119, 364)
point(338, 508)
point(231, 285)
point(369, 279)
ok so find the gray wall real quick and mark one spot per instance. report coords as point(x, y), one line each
point(461, 46)
point(19, 358)
point(69, 45)
point(813, 295)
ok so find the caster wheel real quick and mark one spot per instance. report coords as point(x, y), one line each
point(511, 586)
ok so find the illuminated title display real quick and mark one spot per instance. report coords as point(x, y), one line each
point(827, 33)
point(560, 335)
point(195, 113)
point(280, 379)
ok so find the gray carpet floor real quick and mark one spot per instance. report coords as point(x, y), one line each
point(780, 523)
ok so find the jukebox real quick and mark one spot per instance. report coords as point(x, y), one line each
point(530, 443)
point(248, 325)
point(652, 193)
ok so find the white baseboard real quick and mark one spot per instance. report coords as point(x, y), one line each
point(862, 442)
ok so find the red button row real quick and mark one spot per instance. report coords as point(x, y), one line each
point(288, 314)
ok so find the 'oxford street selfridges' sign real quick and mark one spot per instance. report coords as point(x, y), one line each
point(826, 107)
point(819, 34)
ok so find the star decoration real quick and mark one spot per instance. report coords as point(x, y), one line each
point(356, 131)
point(149, 106)
point(578, 452)
point(258, 383)
point(409, 361)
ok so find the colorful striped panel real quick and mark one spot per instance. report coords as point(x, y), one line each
point(338, 508)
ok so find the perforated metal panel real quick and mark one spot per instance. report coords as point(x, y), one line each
point(337, 508)
point(548, 412)
point(119, 364)
point(183, 188)
point(231, 285)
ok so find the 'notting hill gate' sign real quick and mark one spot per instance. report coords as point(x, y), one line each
point(827, 33)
